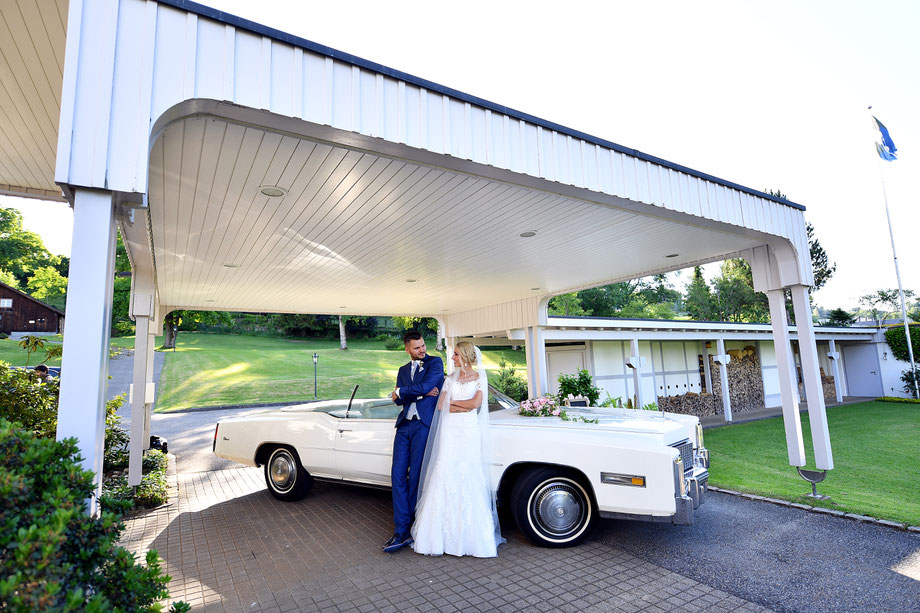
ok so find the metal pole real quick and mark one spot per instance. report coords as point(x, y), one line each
point(315, 360)
point(897, 272)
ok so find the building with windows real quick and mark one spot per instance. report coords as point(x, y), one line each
point(20, 312)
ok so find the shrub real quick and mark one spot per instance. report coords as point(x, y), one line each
point(897, 399)
point(53, 555)
point(579, 384)
point(910, 379)
point(4, 336)
point(394, 344)
point(27, 399)
point(897, 340)
point(509, 382)
point(116, 437)
point(154, 459)
point(123, 328)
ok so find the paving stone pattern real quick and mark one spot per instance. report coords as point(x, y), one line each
point(230, 546)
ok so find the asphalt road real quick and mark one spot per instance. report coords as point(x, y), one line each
point(783, 558)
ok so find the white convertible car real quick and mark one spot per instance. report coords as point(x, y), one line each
point(555, 477)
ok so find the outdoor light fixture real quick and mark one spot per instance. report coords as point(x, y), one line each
point(272, 191)
point(528, 234)
point(315, 360)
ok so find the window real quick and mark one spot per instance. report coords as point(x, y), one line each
point(6, 303)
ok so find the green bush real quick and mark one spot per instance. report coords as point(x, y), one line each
point(896, 399)
point(123, 328)
point(53, 555)
point(152, 491)
point(579, 384)
point(897, 340)
point(509, 382)
point(909, 379)
point(116, 437)
point(27, 399)
point(394, 344)
point(4, 336)
point(154, 459)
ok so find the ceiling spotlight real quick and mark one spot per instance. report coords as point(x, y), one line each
point(228, 265)
point(272, 191)
point(672, 255)
point(411, 280)
point(528, 234)
point(535, 289)
point(342, 307)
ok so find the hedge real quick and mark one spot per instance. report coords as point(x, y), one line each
point(898, 341)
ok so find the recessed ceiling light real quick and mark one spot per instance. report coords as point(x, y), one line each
point(272, 191)
point(411, 280)
point(672, 255)
point(528, 234)
point(228, 265)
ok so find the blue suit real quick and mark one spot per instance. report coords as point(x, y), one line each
point(412, 435)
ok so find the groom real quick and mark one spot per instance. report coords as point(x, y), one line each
point(417, 385)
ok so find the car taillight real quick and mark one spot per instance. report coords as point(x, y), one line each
point(214, 444)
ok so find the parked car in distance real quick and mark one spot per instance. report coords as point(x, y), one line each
point(555, 477)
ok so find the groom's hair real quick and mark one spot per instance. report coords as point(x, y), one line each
point(411, 335)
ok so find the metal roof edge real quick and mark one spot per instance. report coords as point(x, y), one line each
point(609, 322)
point(297, 41)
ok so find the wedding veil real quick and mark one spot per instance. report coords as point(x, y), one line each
point(440, 428)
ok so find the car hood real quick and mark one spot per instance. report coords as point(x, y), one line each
point(608, 419)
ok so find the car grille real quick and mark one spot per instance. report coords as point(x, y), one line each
point(685, 448)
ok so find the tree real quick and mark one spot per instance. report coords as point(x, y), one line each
point(566, 305)
point(820, 265)
point(736, 299)
point(700, 303)
point(840, 317)
point(606, 300)
point(888, 299)
point(343, 340)
point(8, 278)
point(48, 285)
point(21, 251)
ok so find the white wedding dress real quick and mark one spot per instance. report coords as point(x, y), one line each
point(455, 511)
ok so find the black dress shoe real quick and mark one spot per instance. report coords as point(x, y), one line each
point(398, 542)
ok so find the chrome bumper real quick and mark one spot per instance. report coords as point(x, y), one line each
point(696, 485)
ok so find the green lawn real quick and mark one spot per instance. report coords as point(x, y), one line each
point(212, 369)
point(875, 446)
point(11, 353)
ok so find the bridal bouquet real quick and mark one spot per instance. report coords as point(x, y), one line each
point(544, 406)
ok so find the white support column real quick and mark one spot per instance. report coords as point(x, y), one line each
point(707, 371)
point(723, 359)
point(150, 390)
point(449, 352)
point(138, 404)
point(635, 362)
point(540, 353)
point(808, 351)
point(834, 356)
point(787, 380)
point(84, 365)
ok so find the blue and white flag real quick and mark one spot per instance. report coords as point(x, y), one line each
point(886, 149)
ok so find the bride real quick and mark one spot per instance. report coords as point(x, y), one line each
point(456, 504)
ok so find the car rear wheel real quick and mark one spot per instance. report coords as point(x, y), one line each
point(552, 507)
point(285, 476)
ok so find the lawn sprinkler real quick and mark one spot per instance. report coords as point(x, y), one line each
point(814, 477)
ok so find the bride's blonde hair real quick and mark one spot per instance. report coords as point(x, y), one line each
point(467, 352)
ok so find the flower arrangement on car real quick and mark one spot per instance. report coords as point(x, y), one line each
point(543, 406)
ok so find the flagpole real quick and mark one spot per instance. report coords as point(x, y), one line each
point(897, 272)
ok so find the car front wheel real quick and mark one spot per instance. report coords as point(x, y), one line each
point(552, 507)
point(285, 477)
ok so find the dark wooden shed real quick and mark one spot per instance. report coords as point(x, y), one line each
point(20, 312)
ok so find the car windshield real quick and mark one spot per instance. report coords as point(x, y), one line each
point(384, 408)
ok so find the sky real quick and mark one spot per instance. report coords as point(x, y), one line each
point(769, 94)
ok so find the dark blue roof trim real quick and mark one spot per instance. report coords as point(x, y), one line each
point(245, 24)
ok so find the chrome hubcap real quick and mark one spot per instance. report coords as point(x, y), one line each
point(282, 471)
point(558, 509)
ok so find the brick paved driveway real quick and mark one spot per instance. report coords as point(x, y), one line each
point(230, 546)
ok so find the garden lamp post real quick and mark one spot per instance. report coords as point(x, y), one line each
point(175, 337)
point(315, 360)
